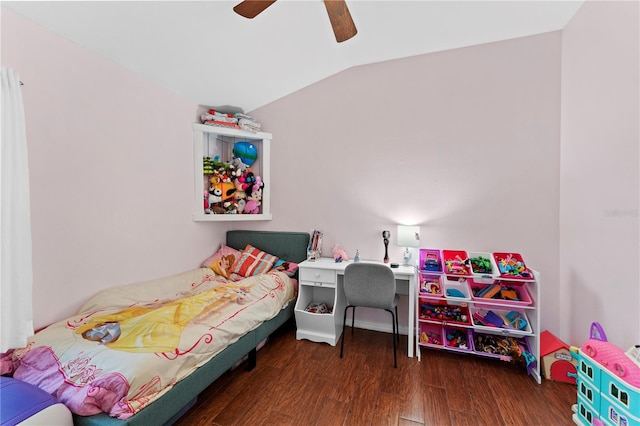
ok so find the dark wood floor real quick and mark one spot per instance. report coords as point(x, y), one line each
point(297, 382)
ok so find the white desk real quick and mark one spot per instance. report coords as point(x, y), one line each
point(321, 280)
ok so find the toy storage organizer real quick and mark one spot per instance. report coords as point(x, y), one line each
point(479, 303)
point(212, 142)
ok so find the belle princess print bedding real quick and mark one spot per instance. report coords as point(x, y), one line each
point(130, 344)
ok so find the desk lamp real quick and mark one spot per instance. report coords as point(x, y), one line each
point(408, 236)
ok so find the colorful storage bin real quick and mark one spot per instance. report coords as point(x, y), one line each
point(501, 321)
point(430, 260)
point(459, 339)
point(456, 289)
point(430, 285)
point(503, 292)
point(444, 312)
point(511, 265)
point(456, 262)
point(431, 335)
point(497, 346)
point(482, 264)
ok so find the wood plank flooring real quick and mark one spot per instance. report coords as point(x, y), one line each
point(297, 382)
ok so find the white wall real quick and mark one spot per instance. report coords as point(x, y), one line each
point(463, 142)
point(111, 170)
point(599, 208)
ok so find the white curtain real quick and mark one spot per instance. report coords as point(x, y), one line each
point(16, 275)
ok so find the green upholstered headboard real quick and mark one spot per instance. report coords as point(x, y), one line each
point(291, 246)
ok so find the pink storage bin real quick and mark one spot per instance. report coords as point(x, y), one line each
point(430, 260)
point(520, 289)
point(456, 262)
point(459, 339)
point(430, 285)
point(511, 265)
point(431, 335)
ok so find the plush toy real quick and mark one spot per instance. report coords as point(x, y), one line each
point(240, 205)
point(254, 200)
point(239, 165)
point(217, 209)
point(227, 190)
point(207, 210)
point(247, 180)
point(230, 207)
point(234, 172)
point(239, 194)
point(339, 254)
point(215, 194)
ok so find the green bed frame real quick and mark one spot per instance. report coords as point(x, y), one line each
point(291, 246)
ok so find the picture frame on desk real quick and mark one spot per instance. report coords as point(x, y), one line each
point(314, 250)
point(313, 255)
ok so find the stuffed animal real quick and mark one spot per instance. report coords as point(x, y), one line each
point(207, 210)
point(231, 207)
point(254, 200)
point(239, 165)
point(215, 194)
point(339, 254)
point(226, 190)
point(248, 180)
point(240, 205)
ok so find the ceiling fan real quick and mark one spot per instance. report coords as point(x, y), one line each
point(341, 21)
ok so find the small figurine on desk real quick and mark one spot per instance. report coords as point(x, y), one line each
point(385, 237)
point(339, 254)
point(356, 259)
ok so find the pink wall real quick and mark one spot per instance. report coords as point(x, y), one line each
point(111, 171)
point(463, 142)
point(599, 208)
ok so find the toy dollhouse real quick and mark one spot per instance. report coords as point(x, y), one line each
point(608, 383)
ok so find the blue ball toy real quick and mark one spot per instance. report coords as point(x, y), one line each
point(245, 151)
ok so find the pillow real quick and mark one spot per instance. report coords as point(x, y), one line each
point(288, 268)
point(253, 261)
point(222, 261)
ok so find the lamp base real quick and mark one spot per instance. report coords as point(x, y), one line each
point(406, 257)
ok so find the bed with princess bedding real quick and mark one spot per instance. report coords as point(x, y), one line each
point(140, 354)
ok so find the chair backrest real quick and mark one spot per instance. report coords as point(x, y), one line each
point(369, 284)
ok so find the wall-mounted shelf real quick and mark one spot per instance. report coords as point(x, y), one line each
point(211, 141)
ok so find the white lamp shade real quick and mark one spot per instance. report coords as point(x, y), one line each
point(408, 236)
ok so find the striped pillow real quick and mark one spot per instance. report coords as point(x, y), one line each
point(253, 261)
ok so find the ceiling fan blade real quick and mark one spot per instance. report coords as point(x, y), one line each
point(341, 21)
point(252, 8)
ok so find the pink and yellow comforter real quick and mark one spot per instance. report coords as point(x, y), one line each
point(128, 345)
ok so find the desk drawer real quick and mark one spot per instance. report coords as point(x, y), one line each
point(317, 275)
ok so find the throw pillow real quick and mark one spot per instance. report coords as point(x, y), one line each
point(253, 261)
point(222, 261)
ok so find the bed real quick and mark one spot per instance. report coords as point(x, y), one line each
point(151, 371)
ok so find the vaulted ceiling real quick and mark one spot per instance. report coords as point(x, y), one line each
point(205, 52)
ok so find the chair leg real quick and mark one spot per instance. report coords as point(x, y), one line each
point(397, 326)
point(393, 337)
point(353, 318)
point(344, 321)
